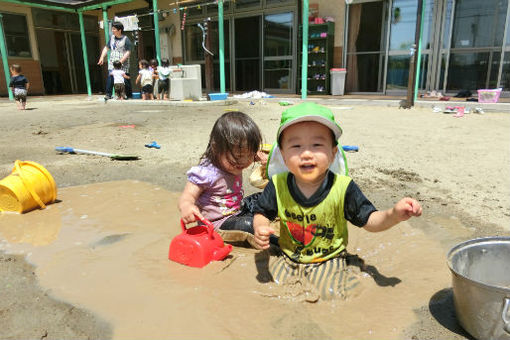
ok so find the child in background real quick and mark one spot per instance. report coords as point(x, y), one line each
point(164, 79)
point(314, 205)
point(145, 79)
point(19, 86)
point(153, 66)
point(214, 188)
point(118, 79)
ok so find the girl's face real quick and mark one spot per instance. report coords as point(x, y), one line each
point(140, 66)
point(238, 160)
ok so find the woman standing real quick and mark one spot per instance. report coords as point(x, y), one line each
point(120, 47)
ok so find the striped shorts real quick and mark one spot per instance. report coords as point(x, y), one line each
point(326, 280)
point(20, 94)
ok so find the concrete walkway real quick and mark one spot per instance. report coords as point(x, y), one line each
point(371, 100)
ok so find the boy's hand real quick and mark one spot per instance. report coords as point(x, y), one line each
point(407, 208)
point(262, 234)
point(189, 213)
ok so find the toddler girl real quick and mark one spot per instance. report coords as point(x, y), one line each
point(164, 80)
point(145, 79)
point(214, 188)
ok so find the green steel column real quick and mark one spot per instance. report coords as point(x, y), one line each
point(84, 50)
point(222, 47)
point(3, 51)
point(106, 27)
point(418, 50)
point(156, 29)
point(304, 57)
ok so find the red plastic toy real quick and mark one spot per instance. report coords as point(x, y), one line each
point(198, 246)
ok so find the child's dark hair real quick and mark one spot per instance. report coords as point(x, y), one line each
point(231, 132)
point(144, 63)
point(117, 65)
point(165, 62)
point(16, 68)
point(153, 62)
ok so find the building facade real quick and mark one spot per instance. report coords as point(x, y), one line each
point(465, 43)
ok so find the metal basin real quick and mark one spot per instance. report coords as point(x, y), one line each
point(481, 286)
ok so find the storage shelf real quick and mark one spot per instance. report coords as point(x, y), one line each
point(325, 57)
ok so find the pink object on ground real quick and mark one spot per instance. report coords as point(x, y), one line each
point(460, 111)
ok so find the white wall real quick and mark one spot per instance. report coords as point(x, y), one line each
point(335, 9)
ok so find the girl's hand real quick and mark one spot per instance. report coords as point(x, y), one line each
point(407, 208)
point(189, 213)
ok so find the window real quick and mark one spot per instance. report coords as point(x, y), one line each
point(16, 35)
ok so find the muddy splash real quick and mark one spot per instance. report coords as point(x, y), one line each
point(104, 247)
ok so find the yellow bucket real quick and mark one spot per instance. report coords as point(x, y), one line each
point(29, 186)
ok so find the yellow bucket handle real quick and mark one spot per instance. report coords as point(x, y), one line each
point(29, 188)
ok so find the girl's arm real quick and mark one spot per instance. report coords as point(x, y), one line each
point(402, 211)
point(187, 205)
point(27, 86)
point(137, 81)
point(262, 231)
point(125, 76)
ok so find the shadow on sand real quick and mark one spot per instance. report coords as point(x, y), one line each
point(443, 310)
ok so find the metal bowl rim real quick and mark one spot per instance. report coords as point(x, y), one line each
point(472, 242)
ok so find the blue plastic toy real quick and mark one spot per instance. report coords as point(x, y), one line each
point(352, 148)
point(153, 144)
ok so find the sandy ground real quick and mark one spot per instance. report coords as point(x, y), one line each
point(456, 167)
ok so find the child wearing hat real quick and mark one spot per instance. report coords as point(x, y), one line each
point(314, 201)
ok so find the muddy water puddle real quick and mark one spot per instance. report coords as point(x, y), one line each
point(104, 247)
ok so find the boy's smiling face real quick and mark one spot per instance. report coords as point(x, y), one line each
point(308, 150)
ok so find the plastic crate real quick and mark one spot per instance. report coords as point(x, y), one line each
point(218, 96)
point(488, 96)
point(137, 95)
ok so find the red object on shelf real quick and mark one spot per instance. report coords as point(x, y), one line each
point(198, 246)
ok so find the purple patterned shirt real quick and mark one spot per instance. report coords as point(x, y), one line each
point(222, 192)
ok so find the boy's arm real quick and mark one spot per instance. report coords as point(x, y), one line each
point(402, 211)
point(262, 231)
point(187, 205)
point(27, 86)
point(125, 76)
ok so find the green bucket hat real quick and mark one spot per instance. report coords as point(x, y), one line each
point(309, 112)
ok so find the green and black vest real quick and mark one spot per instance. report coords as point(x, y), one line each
point(312, 234)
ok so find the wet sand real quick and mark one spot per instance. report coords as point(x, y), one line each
point(104, 248)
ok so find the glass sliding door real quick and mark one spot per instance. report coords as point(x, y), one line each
point(403, 15)
point(247, 53)
point(365, 47)
point(278, 52)
point(505, 69)
point(475, 45)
